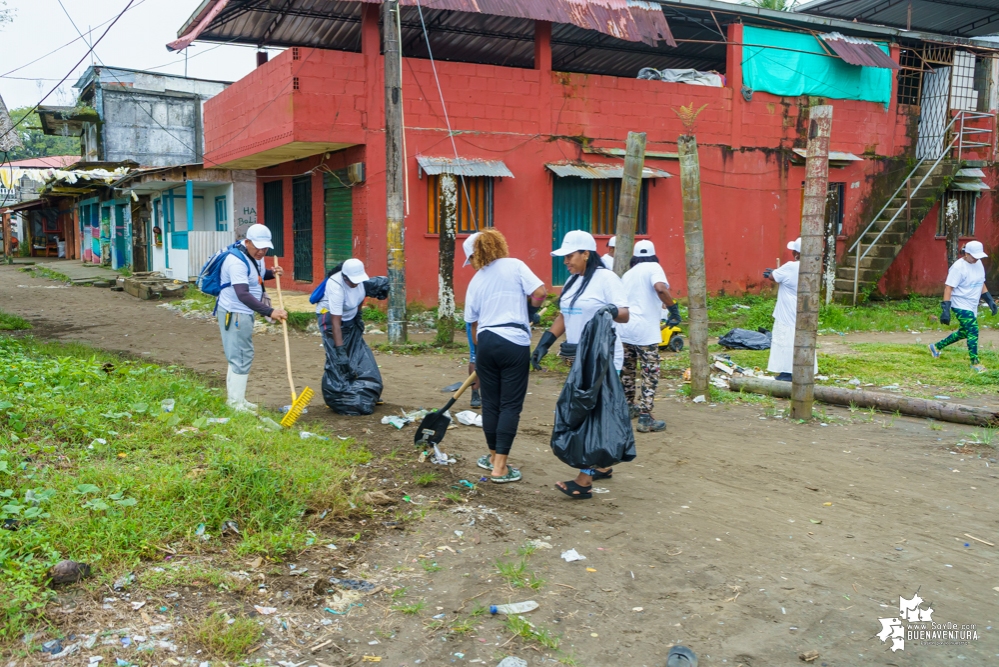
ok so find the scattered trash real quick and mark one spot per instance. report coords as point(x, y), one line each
point(809, 656)
point(305, 435)
point(459, 533)
point(201, 534)
point(136, 606)
point(52, 646)
point(943, 398)
point(68, 572)
point(265, 611)
point(638, 608)
point(460, 656)
point(371, 658)
point(515, 608)
point(438, 617)
point(285, 408)
point(344, 612)
point(124, 582)
point(600, 489)
point(217, 420)
point(537, 544)
point(744, 339)
point(466, 483)
point(167, 404)
point(353, 584)
point(440, 458)
point(591, 569)
point(512, 661)
point(855, 382)
point(469, 418)
point(378, 498)
point(398, 422)
point(123, 663)
point(722, 366)
point(571, 555)
point(270, 423)
point(230, 527)
point(700, 399)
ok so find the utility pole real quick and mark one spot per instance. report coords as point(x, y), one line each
point(627, 210)
point(395, 232)
point(813, 213)
point(447, 226)
point(697, 286)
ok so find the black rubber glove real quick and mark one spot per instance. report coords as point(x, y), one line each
point(547, 340)
point(987, 298)
point(945, 312)
point(533, 316)
point(609, 308)
point(767, 273)
point(342, 361)
point(674, 315)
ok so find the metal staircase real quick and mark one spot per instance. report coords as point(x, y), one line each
point(876, 247)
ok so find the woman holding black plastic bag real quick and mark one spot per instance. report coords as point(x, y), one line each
point(591, 291)
point(352, 384)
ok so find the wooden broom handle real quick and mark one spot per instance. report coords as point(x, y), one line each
point(284, 329)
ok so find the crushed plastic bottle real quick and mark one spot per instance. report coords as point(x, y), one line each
point(167, 404)
point(513, 609)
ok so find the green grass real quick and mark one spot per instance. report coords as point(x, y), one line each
point(93, 471)
point(524, 629)
point(224, 639)
point(430, 566)
point(518, 575)
point(425, 479)
point(10, 322)
point(49, 273)
point(410, 609)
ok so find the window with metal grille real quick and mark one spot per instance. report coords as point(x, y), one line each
point(910, 76)
point(470, 219)
point(962, 203)
point(605, 195)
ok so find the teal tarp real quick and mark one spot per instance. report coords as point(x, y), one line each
point(788, 71)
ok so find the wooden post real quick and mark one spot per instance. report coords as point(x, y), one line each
point(952, 229)
point(447, 227)
point(697, 288)
point(6, 228)
point(627, 210)
point(810, 269)
point(395, 231)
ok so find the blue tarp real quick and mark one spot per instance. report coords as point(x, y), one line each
point(800, 66)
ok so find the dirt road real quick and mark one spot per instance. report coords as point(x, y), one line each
point(746, 537)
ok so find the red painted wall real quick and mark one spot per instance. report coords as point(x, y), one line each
point(751, 191)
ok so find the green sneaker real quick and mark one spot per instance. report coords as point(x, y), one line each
point(512, 475)
point(484, 462)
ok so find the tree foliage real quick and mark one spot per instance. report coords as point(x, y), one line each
point(36, 143)
point(775, 5)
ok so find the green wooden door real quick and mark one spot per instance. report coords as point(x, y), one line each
point(571, 209)
point(339, 216)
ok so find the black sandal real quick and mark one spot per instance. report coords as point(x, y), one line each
point(607, 474)
point(575, 491)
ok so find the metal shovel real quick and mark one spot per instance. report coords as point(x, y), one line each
point(434, 426)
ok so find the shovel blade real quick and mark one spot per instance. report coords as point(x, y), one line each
point(432, 429)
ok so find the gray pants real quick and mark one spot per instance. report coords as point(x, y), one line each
point(238, 340)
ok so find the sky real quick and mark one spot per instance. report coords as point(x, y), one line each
point(137, 41)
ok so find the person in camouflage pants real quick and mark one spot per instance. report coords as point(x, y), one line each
point(646, 358)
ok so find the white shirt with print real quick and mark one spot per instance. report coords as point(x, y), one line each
point(645, 306)
point(965, 281)
point(605, 288)
point(498, 295)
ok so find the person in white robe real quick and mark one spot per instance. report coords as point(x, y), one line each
point(785, 312)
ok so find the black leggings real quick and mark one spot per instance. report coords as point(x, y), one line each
point(503, 370)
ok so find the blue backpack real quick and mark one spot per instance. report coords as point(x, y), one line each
point(210, 277)
point(320, 291)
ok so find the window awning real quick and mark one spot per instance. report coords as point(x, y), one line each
point(465, 166)
point(969, 179)
point(836, 158)
point(591, 170)
point(858, 51)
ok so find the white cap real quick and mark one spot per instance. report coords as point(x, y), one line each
point(644, 249)
point(975, 249)
point(469, 247)
point(353, 269)
point(575, 240)
point(259, 236)
point(612, 242)
point(795, 245)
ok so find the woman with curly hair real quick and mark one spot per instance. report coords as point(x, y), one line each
point(496, 305)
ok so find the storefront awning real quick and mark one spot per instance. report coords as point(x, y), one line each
point(836, 158)
point(465, 166)
point(858, 51)
point(591, 170)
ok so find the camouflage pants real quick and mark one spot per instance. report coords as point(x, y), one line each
point(645, 357)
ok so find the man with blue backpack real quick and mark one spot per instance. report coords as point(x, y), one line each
point(236, 276)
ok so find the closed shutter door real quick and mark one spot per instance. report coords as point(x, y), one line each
point(301, 201)
point(339, 217)
point(571, 209)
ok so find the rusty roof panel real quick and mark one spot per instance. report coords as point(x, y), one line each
point(593, 170)
point(858, 51)
point(463, 166)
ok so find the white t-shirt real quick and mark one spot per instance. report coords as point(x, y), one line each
point(608, 261)
point(965, 281)
point(498, 295)
point(605, 288)
point(234, 271)
point(340, 299)
point(786, 310)
point(642, 327)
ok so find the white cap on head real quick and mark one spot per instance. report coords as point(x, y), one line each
point(259, 236)
point(353, 269)
point(644, 249)
point(612, 242)
point(795, 245)
point(975, 249)
point(576, 240)
point(469, 247)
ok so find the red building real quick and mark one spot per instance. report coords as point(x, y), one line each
point(540, 112)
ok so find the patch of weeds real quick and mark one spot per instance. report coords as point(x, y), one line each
point(518, 575)
point(454, 497)
point(300, 321)
point(410, 609)
point(479, 610)
point(53, 275)
point(524, 629)
point(399, 593)
point(374, 315)
point(430, 566)
point(526, 550)
point(10, 322)
point(416, 348)
point(275, 543)
point(124, 271)
point(568, 660)
point(426, 478)
point(193, 575)
point(225, 640)
point(936, 426)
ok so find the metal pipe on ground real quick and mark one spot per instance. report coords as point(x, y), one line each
point(914, 407)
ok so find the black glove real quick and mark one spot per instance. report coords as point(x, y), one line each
point(341, 360)
point(945, 312)
point(609, 308)
point(533, 316)
point(767, 273)
point(547, 340)
point(992, 302)
point(674, 315)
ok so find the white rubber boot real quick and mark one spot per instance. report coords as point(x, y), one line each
point(236, 388)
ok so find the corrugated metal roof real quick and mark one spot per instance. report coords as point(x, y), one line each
point(974, 186)
point(463, 166)
point(630, 20)
point(970, 172)
point(858, 51)
point(592, 170)
point(969, 18)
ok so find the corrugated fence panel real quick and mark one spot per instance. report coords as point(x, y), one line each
point(202, 245)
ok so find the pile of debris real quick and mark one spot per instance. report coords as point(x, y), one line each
point(151, 285)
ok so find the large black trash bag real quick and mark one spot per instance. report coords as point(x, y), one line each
point(744, 339)
point(377, 287)
point(592, 424)
point(357, 392)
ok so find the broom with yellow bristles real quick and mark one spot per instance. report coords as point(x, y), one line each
point(300, 402)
